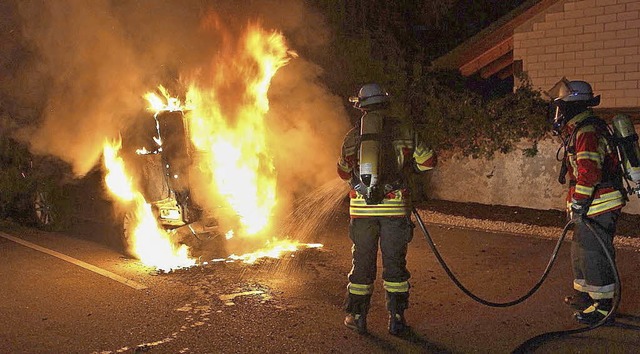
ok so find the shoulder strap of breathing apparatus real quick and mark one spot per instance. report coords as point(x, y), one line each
point(569, 144)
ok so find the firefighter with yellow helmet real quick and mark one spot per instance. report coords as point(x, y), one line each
point(595, 192)
point(376, 156)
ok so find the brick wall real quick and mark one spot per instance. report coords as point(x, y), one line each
point(593, 40)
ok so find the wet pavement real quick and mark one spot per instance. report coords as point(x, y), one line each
point(52, 305)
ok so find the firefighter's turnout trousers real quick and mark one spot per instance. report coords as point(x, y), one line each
point(393, 235)
point(591, 268)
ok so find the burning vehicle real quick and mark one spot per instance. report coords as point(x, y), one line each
point(164, 166)
point(204, 172)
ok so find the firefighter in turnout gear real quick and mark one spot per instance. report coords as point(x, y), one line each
point(595, 192)
point(376, 157)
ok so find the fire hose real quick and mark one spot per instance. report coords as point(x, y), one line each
point(588, 223)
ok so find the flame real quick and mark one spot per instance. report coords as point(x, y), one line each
point(236, 154)
point(275, 249)
point(231, 144)
point(165, 103)
point(150, 243)
point(116, 178)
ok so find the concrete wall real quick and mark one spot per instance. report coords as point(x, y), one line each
point(593, 40)
point(509, 179)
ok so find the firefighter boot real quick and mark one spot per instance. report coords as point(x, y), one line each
point(595, 313)
point(356, 322)
point(357, 308)
point(397, 324)
point(396, 304)
point(579, 300)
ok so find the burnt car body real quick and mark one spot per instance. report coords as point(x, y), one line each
point(164, 160)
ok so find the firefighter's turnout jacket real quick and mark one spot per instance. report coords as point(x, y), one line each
point(401, 148)
point(592, 166)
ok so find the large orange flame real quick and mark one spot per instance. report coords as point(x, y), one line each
point(234, 148)
point(231, 145)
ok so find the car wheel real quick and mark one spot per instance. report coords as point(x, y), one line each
point(43, 209)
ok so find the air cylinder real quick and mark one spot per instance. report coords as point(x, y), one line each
point(625, 132)
point(369, 155)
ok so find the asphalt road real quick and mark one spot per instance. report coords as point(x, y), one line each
point(52, 305)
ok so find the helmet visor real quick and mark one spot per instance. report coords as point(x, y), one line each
point(560, 90)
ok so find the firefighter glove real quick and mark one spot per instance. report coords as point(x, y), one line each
point(579, 209)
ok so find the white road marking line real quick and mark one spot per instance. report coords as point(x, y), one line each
point(77, 262)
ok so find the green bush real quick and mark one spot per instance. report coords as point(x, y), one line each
point(454, 118)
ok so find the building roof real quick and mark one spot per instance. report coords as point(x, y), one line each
point(490, 52)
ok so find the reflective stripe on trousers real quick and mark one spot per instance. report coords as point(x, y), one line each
point(392, 234)
point(591, 268)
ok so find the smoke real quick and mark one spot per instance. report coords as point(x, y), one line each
point(88, 63)
point(91, 75)
point(308, 128)
point(80, 69)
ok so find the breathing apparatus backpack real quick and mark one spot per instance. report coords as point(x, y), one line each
point(628, 149)
point(622, 137)
point(379, 170)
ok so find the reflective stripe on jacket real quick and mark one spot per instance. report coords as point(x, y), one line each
point(408, 148)
point(591, 160)
point(394, 204)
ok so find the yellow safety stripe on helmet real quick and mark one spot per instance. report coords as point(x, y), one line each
point(584, 190)
point(396, 287)
point(360, 289)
